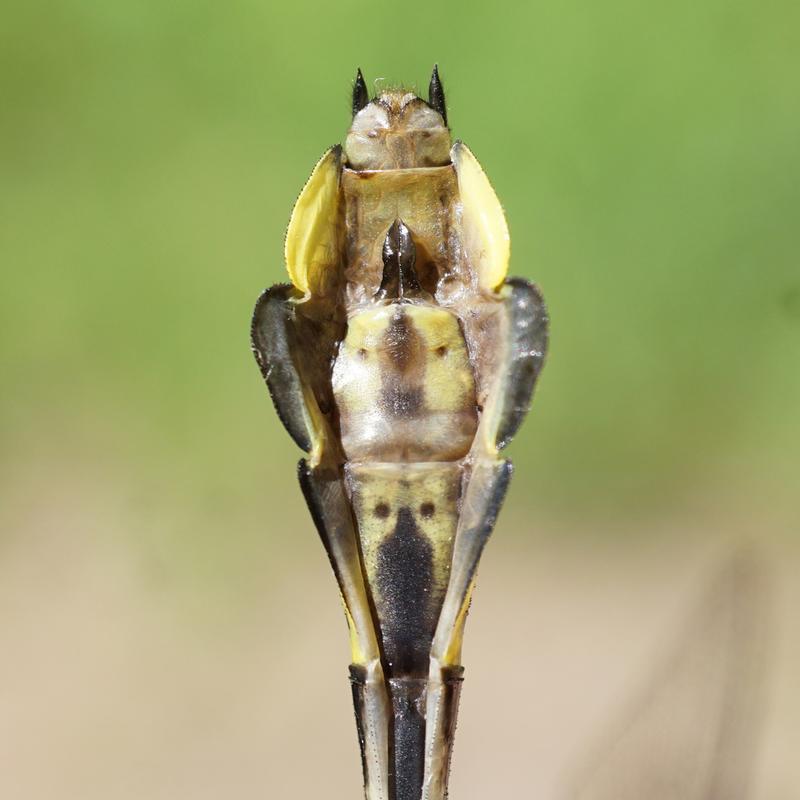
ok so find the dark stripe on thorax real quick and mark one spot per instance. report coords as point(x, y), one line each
point(403, 368)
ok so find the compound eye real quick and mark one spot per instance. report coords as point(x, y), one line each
point(370, 120)
point(422, 116)
point(427, 509)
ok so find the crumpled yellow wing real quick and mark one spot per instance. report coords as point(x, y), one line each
point(483, 223)
point(313, 245)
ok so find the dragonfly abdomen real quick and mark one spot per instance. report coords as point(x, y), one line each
point(407, 411)
point(406, 517)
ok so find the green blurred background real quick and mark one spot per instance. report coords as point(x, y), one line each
point(647, 157)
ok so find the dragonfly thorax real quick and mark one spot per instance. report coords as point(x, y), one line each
point(403, 385)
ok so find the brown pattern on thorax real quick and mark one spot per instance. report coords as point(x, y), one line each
point(403, 386)
point(423, 199)
point(401, 343)
point(402, 368)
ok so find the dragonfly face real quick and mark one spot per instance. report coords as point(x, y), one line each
point(397, 130)
point(402, 361)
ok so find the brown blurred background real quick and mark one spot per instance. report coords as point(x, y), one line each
point(168, 624)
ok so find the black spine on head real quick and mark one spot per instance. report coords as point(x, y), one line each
point(436, 94)
point(360, 94)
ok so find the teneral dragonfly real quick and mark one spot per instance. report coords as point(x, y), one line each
point(402, 360)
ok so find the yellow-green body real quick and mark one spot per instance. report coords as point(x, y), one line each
point(402, 361)
point(404, 387)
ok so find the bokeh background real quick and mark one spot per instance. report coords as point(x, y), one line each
point(168, 624)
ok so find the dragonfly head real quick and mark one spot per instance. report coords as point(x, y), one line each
point(397, 129)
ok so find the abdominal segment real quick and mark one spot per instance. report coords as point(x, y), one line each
point(404, 387)
point(406, 515)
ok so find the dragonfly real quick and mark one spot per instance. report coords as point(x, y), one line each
point(402, 360)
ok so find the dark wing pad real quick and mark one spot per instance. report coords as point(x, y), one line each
point(526, 346)
point(281, 331)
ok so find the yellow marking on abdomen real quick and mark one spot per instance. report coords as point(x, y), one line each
point(404, 386)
